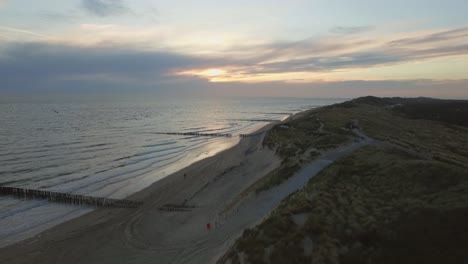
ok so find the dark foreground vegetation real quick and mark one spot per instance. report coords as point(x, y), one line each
point(401, 200)
point(447, 111)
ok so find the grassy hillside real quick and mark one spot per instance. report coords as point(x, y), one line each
point(300, 140)
point(402, 201)
point(447, 111)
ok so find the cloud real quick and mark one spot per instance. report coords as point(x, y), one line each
point(40, 69)
point(104, 8)
point(361, 59)
point(108, 65)
point(57, 17)
point(36, 65)
point(351, 30)
point(342, 53)
point(433, 38)
point(22, 31)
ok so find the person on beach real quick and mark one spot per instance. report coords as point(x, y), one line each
point(208, 226)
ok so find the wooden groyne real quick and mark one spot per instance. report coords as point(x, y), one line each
point(280, 113)
point(255, 120)
point(67, 198)
point(251, 135)
point(177, 207)
point(195, 134)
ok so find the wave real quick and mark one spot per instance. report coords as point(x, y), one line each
point(160, 144)
point(111, 149)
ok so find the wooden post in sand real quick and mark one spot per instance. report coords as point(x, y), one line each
point(59, 197)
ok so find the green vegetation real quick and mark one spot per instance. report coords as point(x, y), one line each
point(294, 138)
point(447, 111)
point(276, 177)
point(300, 141)
point(441, 141)
point(404, 200)
point(359, 209)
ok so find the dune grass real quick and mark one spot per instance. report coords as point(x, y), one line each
point(358, 209)
point(298, 142)
point(402, 201)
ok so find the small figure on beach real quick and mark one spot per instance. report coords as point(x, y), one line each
point(185, 175)
point(208, 226)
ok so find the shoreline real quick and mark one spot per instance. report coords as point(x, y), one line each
point(81, 222)
point(72, 212)
point(142, 194)
point(211, 185)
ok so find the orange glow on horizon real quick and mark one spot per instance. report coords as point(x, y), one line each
point(212, 72)
point(209, 74)
point(445, 68)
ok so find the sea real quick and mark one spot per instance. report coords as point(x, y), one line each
point(114, 148)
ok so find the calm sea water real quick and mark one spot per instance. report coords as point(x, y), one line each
point(112, 149)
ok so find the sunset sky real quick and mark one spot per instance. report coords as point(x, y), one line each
point(316, 48)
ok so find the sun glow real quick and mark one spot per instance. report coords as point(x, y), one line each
point(212, 72)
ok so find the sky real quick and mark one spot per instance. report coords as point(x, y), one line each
point(316, 48)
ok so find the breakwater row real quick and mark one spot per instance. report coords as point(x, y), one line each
point(255, 120)
point(205, 134)
point(251, 135)
point(177, 207)
point(67, 198)
point(194, 134)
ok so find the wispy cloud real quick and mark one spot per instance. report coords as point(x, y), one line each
point(22, 31)
point(432, 38)
point(104, 8)
point(322, 55)
point(351, 30)
point(58, 18)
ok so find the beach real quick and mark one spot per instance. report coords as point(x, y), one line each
point(113, 149)
point(148, 234)
point(192, 216)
